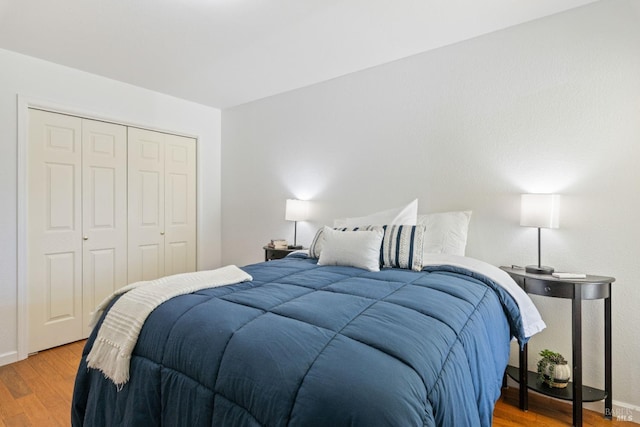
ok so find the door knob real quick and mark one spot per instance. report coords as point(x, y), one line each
point(162, 233)
point(85, 237)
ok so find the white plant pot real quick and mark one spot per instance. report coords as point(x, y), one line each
point(558, 377)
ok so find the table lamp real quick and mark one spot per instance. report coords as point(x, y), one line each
point(540, 211)
point(296, 210)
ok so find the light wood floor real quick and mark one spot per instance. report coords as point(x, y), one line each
point(37, 392)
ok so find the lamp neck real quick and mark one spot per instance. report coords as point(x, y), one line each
point(539, 246)
point(539, 269)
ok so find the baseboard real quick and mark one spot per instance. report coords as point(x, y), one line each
point(621, 411)
point(8, 358)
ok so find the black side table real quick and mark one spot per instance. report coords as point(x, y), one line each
point(271, 253)
point(577, 290)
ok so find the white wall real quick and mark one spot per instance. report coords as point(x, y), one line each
point(548, 106)
point(78, 91)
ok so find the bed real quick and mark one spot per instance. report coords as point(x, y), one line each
point(310, 344)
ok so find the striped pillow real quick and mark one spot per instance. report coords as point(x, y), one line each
point(402, 246)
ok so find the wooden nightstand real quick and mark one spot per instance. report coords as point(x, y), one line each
point(270, 253)
point(577, 290)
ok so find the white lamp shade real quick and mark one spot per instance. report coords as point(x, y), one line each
point(296, 210)
point(540, 210)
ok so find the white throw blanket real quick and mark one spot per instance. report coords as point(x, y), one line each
point(118, 334)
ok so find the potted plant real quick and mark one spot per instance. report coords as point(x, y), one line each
point(553, 369)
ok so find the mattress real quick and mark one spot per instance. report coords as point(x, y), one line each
point(309, 345)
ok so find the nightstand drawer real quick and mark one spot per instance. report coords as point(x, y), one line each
point(548, 288)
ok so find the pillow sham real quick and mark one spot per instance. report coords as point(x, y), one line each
point(404, 215)
point(446, 232)
point(402, 246)
point(359, 249)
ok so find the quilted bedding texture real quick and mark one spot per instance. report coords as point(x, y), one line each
point(305, 345)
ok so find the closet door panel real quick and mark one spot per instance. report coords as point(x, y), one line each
point(54, 237)
point(180, 204)
point(146, 204)
point(104, 195)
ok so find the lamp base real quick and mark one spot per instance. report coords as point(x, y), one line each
point(541, 269)
point(295, 246)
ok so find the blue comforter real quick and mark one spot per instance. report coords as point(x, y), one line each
point(305, 345)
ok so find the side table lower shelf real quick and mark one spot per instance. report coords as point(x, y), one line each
point(589, 394)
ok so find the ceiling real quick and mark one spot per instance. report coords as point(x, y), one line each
point(223, 53)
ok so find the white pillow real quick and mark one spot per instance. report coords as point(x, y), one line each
point(359, 249)
point(446, 233)
point(315, 249)
point(404, 215)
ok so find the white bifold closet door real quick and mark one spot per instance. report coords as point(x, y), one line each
point(77, 223)
point(162, 204)
point(107, 205)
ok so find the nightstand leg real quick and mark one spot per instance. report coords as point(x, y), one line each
point(608, 401)
point(577, 360)
point(524, 389)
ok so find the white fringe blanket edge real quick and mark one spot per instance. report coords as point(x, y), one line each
point(118, 334)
